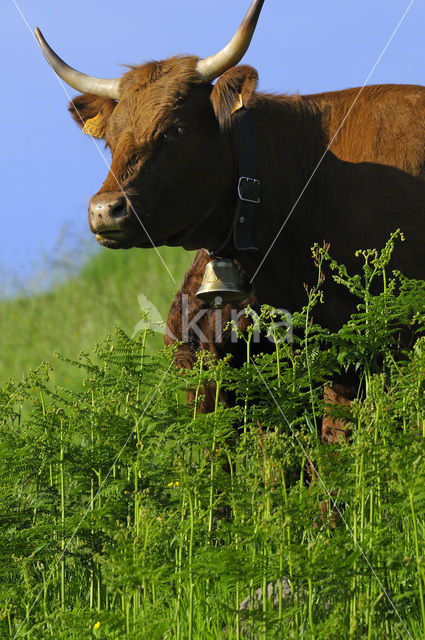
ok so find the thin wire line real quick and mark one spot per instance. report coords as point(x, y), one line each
point(335, 135)
point(92, 502)
point(334, 504)
point(101, 154)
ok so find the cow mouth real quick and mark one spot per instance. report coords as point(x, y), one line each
point(124, 238)
point(112, 234)
point(115, 238)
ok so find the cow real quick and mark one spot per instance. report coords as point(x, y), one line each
point(198, 326)
point(345, 166)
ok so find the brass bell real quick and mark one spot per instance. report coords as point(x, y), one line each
point(221, 280)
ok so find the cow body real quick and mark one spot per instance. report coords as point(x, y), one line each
point(352, 200)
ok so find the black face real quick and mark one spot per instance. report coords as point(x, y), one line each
point(171, 170)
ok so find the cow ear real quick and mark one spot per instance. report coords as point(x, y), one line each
point(233, 90)
point(91, 113)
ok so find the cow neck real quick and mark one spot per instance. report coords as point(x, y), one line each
point(248, 189)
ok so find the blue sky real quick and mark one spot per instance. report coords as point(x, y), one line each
point(50, 169)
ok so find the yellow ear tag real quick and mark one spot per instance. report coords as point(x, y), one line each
point(238, 105)
point(95, 126)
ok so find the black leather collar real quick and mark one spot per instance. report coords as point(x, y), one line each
point(248, 187)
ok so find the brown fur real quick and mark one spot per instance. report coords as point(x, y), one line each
point(385, 126)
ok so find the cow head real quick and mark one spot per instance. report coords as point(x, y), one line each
point(172, 175)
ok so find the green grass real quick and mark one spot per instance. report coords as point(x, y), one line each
point(128, 515)
point(83, 310)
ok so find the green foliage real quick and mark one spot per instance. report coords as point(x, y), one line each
point(128, 514)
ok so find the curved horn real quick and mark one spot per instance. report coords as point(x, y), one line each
point(77, 80)
point(213, 66)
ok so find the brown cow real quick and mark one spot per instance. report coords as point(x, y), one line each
point(174, 174)
point(201, 327)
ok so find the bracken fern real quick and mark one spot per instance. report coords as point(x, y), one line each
point(127, 513)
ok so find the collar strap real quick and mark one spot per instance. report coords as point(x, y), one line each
point(248, 188)
point(248, 184)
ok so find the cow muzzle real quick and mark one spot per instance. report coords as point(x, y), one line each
point(109, 215)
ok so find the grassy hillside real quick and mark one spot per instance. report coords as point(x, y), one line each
point(82, 311)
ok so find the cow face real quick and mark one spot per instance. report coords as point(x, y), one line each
point(167, 129)
point(171, 161)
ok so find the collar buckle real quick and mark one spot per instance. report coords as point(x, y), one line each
point(249, 190)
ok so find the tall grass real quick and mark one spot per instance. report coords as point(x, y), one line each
point(128, 514)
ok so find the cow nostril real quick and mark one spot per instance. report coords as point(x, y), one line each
point(118, 209)
point(107, 211)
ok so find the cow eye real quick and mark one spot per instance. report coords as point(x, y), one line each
point(175, 132)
